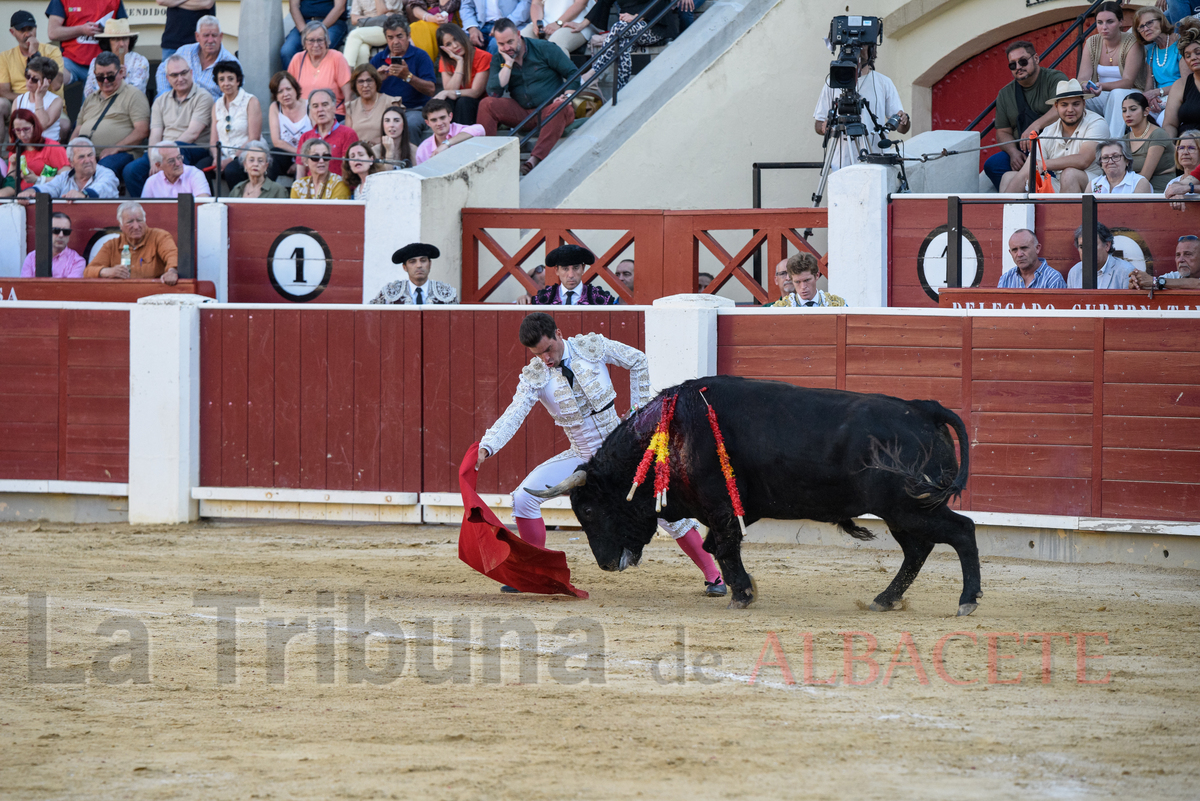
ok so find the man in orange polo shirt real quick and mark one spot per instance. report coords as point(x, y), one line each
point(152, 252)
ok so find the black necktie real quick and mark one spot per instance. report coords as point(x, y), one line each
point(810, 303)
point(420, 300)
point(568, 374)
point(570, 294)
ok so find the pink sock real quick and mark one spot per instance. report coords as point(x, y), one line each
point(533, 530)
point(693, 546)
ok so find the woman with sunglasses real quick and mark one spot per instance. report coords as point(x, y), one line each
point(360, 163)
point(39, 98)
point(1163, 61)
point(1147, 142)
point(32, 158)
point(236, 120)
point(1112, 62)
point(318, 182)
point(394, 146)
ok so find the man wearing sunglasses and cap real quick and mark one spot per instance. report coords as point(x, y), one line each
point(418, 289)
point(570, 263)
point(1021, 108)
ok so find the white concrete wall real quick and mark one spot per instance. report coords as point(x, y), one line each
point(858, 233)
point(424, 204)
point(681, 338)
point(12, 239)
point(212, 246)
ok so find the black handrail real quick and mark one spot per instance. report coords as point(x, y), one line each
point(619, 43)
point(1078, 23)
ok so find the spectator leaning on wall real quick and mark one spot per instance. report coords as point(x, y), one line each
point(64, 263)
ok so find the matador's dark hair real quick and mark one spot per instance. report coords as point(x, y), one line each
point(534, 327)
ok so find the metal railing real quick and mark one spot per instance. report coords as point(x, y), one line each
point(1081, 36)
point(618, 46)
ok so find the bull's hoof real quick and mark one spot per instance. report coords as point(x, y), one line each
point(966, 609)
point(747, 599)
point(736, 604)
point(894, 606)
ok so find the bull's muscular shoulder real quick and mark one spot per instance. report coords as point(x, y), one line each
point(535, 374)
point(590, 346)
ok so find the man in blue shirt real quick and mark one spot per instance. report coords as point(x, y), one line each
point(479, 17)
point(1032, 271)
point(407, 74)
point(333, 14)
point(201, 57)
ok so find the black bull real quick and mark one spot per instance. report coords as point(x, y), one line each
point(814, 454)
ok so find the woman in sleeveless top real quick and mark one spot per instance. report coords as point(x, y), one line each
point(236, 120)
point(288, 120)
point(1183, 101)
point(1148, 145)
point(1163, 62)
point(1114, 61)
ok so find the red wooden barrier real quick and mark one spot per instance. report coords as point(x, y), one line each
point(92, 219)
point(97, 290)
point(64, 394)
point(1071, 416)
point(1098, 300)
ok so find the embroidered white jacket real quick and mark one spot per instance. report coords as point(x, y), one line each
point(581, 411)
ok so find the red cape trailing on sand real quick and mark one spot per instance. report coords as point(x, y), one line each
point(487, 545)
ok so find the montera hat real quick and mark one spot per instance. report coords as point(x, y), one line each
point(1065, 89)
point(566, 255)
point(413, 250)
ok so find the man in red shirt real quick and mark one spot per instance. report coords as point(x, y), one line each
point(321, 105)
point(74, 26)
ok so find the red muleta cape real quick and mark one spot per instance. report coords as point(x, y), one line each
point(487, 545)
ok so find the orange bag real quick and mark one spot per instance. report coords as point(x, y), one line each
point(1042, 184)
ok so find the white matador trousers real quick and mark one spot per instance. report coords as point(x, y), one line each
point(556, 469)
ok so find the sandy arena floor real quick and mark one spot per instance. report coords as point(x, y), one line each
point(619, 726)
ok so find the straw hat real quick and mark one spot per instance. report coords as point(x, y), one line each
point(118, 29)
point(1067, 89)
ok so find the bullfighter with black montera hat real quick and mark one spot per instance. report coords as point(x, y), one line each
point(418, 288)
point(571, 262)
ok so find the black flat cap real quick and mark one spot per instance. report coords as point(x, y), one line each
point(412, 251)
point(565, 255)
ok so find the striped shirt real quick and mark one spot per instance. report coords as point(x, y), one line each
point(1046, 277)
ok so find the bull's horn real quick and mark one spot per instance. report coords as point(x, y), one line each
point(576, 479)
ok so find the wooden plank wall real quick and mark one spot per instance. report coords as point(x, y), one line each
point(311, 399)
point(64, 394)
point(1050, 404)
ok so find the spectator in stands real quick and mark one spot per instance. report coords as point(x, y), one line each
point(32, 160)
point(65, 263)
point(624, 273)
point(530, 71)
point(1115, 271)
point(1111, 66)
point(75, 24)
point(423, 23)
point(364, 109)
point(1164, 63)
point(117, 118)
point(876, 88)
point(173, 176)
point(538, 274)
point(803, 271)
point(87, 178)
point(479, 19)
point(1185, 274)
point(236, 119)
point(359, 164)
point(40, 74)
point(703, 280)
point(256, 161)
point(625, 29)
point(1183, 99)
point(570, 263)
point(407, 74)
point(1031, 270)
point(550, 18)
point(1187, 160)
point(1021, 109)
point(182, 115)
point(288, 120)
point(366, 28)
point(319, 183)
point(439, 116)
point(783, 281)
point(1068, 150)
point(417, 289)
point(394, 146)
point(23, 28)
point(1147, 142)
point(118, 40)
point(201, 57)
point(1118, 177)
point(152, 251)
point(179, 29)
point(318, 67)
point(336, 136)
point(332, 16)
point(464, 68)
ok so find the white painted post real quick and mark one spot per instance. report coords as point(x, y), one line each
point(1016, 217)
point(681, 338)
point(164, 408)
point(12, 239)
point(858, 233)
point(212, 246)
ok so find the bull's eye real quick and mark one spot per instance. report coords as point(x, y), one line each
point(585, 512)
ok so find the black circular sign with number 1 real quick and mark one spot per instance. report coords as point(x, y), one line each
point(299, 264)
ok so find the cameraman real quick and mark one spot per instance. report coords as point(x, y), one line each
point(879, 93)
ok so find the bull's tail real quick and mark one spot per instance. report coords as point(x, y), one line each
point(856, 531)
point(932, 491)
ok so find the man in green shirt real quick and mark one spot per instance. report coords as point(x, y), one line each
point(530, 71)
point(1021, 108)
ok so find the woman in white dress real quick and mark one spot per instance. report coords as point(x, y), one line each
point(288, 120)
point(236, 120)
point(1112, 62)
point(1118, 177)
